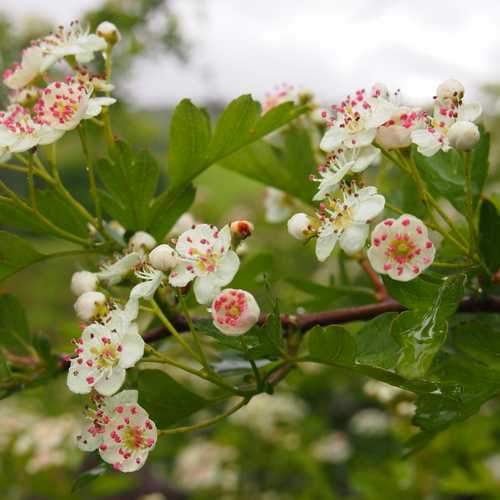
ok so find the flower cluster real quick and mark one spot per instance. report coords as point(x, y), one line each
point(357, 130)
point(41, 110)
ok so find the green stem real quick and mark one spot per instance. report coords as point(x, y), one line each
point(31, 184)
point(14, 168)
point(193, 331)
point(90, 171)
point(207, 423)
point(171, 328)
point(256, 372)
point(108, 130)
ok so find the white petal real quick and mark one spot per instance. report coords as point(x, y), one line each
point(114, 273)
point(77, 378)
point(382, 111)
point(369, 208)
point(227, 267)
point(111, 383)
point(333, 138)
point(180, 275)
point(427, 142)
point(325, 246)
point(363, 138)
point(122, 398)
point(206, 288)
point(367, 156)
point(377, 259)
point(133, 350)
point(353, 238)
point(147, 289)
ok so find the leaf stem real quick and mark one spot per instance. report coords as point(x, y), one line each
point(207, 423)
point(469, 202)
point(256, 372)
point(31, 184)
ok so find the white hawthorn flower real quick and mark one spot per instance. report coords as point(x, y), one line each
point(450, 92)
point(163, 258)
point(355, 121)
point(117, 271)
point(448, 111)
point(401, 248)
point(278, 205)
point(19, 132)
point(109, 32)
point(343, 220)
point(463, 135)
point(103, 353)
point(151, 281)
point(74, 41)
point(141, 242)
point(23, 73)
point(63, 105)
point(205, 256)
point(83, 281)
point(234, 312)
point(91, 306)
point(121, 430)
point(339, 163)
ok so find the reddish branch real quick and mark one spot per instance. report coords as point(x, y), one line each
point(305, 322)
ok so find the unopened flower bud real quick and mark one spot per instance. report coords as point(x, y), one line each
point(234, 312)
point(241, 229)
point(83, 281)
point(450, 90)
point(109, 32)
point(163, 258)
point(91, 306)
point(141, 242)
point(463, 135)
point(300, 226)
point(393, 137)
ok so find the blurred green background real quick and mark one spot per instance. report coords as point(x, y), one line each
point(326, 434)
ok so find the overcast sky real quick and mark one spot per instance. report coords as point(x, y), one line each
point(328, 46)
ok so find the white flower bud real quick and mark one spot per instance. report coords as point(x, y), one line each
point(463, 135)
point(235, 311)
point(186, 221)
point(393, 137)
point(83, 281)
point(300, 226)
point(109, 32)
point(241, 229)
point(141, 242)
point(91, 306)
point(163, 258)
point(450, 90)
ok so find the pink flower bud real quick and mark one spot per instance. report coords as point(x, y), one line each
point(235, 311)
point(241, 229)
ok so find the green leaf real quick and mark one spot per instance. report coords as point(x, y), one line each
point(271, 333)
point(13, 216)
point(443, 174)
point(375, 345)
point(191, 147)
point(15, 334)
point(286, 167)
point(166, 400)
point(15, 254)
point(252, 271)
point(331, 344)
point(189, 137)
point(420, 294)
point(489, 235)
point(89, 476)
point(167, 208)
point(130, 181)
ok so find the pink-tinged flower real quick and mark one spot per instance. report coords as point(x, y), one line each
point(74, 41)
point(23, 73)
point(401, 248)
point(281, 93)
point(234, 312)
point(19, 132)
point(205, 256)
point(355, 120)
point(121, 430)
point(396, 132)
point(103, 353)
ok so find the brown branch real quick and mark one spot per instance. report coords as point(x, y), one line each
point(381, 292)
point(305, 322)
